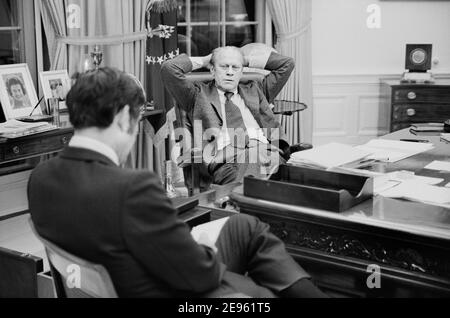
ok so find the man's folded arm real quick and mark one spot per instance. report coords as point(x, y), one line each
point(264, 57)
point(173, 75)
point(162, 243)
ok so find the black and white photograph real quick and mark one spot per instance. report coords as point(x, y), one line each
point(56, 84)
point(17, 92)
point(227, 156)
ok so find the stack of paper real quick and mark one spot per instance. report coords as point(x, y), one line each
point(14, 128)
point(427, 127)
point(393, 150)
point(328, 156)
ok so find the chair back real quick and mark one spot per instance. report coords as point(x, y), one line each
point(75, 277)
point(197, 177)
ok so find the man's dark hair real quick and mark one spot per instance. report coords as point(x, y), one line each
point(97, 96)
point(14, 81)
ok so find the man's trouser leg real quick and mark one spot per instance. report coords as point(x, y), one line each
point(246, 246)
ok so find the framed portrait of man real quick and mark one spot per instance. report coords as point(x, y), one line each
point(56, 84)
point(17, 92)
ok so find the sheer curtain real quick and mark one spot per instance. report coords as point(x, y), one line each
point(74, 27)
point(292, 20)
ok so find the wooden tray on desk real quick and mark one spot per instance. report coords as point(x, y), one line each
point(313, 188)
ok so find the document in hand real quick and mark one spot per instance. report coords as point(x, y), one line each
point(328, 156)
point(209, 231)
point(393, 150)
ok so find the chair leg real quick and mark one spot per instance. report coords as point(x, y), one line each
point(192, 185)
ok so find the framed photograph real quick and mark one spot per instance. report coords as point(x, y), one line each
point(56, 84)
point(17, 93)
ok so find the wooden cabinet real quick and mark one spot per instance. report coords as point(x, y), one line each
point(34, 145)
point(416, 103)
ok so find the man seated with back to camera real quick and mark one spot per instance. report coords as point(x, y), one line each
point(239, 131)
point(84, 202)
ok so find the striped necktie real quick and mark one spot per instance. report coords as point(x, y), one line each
point(235, 121)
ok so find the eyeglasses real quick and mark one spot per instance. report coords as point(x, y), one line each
point(144, 107)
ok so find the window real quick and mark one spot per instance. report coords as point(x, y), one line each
point(206, 24)
point(17, 34)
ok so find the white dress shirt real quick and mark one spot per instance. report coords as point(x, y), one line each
point(94, 145)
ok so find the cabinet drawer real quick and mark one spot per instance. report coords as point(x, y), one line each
point(415, 113)
point(23, 149)
point(422, 95)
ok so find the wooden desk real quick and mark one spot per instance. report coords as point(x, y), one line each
point(410, 242)
point(34, 145)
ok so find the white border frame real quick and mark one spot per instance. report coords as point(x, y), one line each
point(24, 71)
point(46, 77)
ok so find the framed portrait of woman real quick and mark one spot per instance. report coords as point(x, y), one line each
point(17, 92)
point(56, 84)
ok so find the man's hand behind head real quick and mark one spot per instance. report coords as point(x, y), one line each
point(255, 49)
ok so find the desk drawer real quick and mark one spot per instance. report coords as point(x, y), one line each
point(414, 113)
point(23, 149)
point(422, 95)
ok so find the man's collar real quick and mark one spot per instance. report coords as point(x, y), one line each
point(94, 145)
point(222, 93)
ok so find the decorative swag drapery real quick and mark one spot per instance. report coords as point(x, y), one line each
point(73, 28)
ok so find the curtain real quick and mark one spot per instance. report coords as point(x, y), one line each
point(162, 45)
point(74, 27)
point(54, 21)
point(292, 20)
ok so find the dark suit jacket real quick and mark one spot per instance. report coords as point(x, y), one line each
point(202, 99)
point(122, 219)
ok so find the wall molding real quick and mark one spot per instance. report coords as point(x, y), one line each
point(348, 108)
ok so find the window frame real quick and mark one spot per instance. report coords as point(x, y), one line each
point(260, 22)
point(27, 37)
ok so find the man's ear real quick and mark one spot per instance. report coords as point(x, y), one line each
point(123, 118)
point(212, 70)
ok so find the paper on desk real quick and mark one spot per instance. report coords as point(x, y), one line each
point(210, 229)
point(416, 191)
point(404, 175)
point(445, 137)
point(439, 165)
point(385, 181)
point(328, 156)
point(381, 181)
point(393, 150)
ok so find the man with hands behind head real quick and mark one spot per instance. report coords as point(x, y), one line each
point(246, 138)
